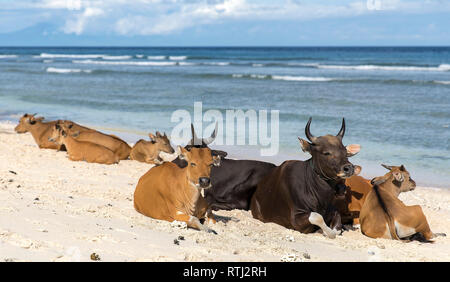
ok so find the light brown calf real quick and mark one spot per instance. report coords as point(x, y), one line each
point(383, 215)
point(81, 150)
point(170, 193)
point(148, 151)
point(115, 144)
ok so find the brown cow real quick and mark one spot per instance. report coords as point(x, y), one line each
point(355, 195)
point(383, 215)
point(115, 144)
point(81, 150)
point(170, 193)
point(41, 131)
point(148, 151)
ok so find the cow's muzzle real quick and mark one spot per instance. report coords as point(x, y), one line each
point(204, 182)
point(349, 170)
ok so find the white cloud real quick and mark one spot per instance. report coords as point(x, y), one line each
point(148, 17)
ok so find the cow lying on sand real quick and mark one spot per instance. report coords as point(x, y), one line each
point(234, 181)
point(41, 130)
point(170, 193)
point(82, 150)
point(148, 151)
point(300, 194)
point(115, 144)
point(385, 216)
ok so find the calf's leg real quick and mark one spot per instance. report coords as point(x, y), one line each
point(193, 222)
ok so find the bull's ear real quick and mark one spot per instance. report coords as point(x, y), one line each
point(398, 176)
point(183, 154)
point(306, 146)
point(378, 180)
point(216, 160)
point(353, 149)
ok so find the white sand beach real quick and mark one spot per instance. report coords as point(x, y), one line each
point(53, 209)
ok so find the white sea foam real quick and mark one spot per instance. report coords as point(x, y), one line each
point(218, 63)
point(442, 82)
point(257, 65)
point(48, 61)
point(8, 56)
point(125, 57)
point(126, 63)
point(442, 67)
point(58, 70)
point(301, 78)
point(75, 56)
point(156, 57)
point(139, 56)
point(177, 58)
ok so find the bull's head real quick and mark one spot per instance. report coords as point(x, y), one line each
point(397, 175)
point(161, 142)
point(25, 122)
point(196, 142)
point(199, 164)
point(329, 155)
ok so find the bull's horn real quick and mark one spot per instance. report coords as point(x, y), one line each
point(342, 131)
point(211, 139)
point(308, 131)
point(195, 140)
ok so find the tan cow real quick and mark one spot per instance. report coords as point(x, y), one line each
point(383, 215)
point(170, 193)
point(148, 151)
point(115, 144)
point(41, 131)
point(82, 150)
point(356, 193)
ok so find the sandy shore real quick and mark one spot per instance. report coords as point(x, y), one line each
point(53, 209)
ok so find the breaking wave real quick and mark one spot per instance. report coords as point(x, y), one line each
point(58, 70)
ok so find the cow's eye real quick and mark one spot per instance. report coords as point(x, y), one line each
point(327, 154)
point(192, 164)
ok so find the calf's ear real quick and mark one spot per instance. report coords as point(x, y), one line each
point(306, 146)
point(353, 149)
point(398, 176)
point(378, 180)
point(152, 137)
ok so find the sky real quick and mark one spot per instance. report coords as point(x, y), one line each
point(224, 23)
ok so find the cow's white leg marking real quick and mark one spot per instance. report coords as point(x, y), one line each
point(387, 233)
point(404, 231)
point(317, 219)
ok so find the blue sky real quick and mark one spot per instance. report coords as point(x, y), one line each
point(224, 22)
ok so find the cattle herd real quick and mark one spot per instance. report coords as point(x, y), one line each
point(323, 193)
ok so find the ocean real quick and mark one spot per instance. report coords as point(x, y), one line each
point(396, 100)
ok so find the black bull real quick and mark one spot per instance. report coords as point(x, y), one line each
point(303, 195)
point(234, 181)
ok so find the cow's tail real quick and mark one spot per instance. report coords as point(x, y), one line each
point(389, 218)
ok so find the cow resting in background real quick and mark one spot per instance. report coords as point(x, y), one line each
point(383, 215)
point(114, 143)
point(148, 151)
point(300, 195)
point(170, 193)
point(82, 150)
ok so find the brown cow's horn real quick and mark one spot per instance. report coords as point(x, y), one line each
point(386, 166)
point(342, 131)
point(195, 140)
point(211, 139)
point(308, 132)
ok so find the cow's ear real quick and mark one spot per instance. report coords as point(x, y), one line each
point(402, 168)
point(216, 160)
point(183, 154)
point(398, 176)
point(386, 167)
point(152, 137)
point(158, 134)
point(378, 180)
point(353, 149)
point(306, 146)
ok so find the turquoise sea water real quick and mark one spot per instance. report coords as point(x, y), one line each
point(396, 100)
